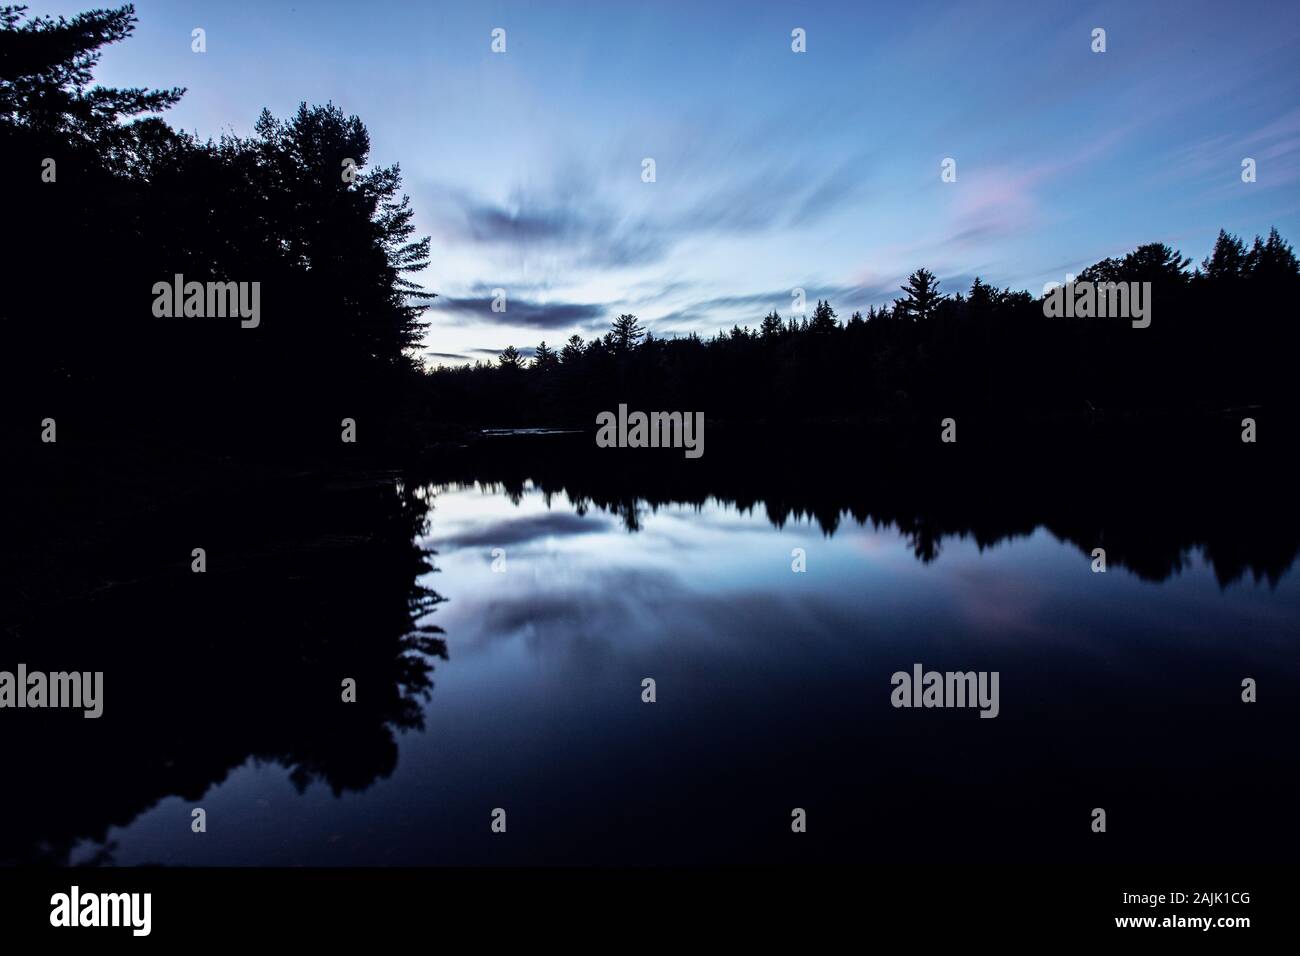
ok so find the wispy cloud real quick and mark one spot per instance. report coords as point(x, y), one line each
point(579, 221)
point(519, 312)
point(559, 225)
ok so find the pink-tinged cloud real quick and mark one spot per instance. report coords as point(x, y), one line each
point(990, 204)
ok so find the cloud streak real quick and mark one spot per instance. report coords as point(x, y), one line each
point(519, 312)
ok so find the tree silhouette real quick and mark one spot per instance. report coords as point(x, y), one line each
point(544, 358)
point(330, 254)
point(626, 333)
point(1227, 260)
point(510, 360)
point(46, 67)
point(922, 295)
point(990, 351)
point(772, 326)
point(572, 351)
point(1273, 260)
point(823, 320)
point(333, 255)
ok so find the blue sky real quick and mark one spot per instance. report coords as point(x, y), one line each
point(775, 170)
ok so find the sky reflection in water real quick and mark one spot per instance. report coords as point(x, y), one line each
point(773, 692)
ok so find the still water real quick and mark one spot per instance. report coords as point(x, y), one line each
point(1118, 690)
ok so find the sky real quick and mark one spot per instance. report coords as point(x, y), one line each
point(774, 170)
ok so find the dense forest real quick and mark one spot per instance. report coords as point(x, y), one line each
point(1222, 335)
point(111, 200)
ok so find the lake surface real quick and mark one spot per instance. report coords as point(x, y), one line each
point(1119, 690)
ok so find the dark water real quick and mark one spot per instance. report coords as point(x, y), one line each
point(521, 688)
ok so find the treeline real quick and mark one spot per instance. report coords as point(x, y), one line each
point(106, 200)
point(1158, 499)
point(1222, 335)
